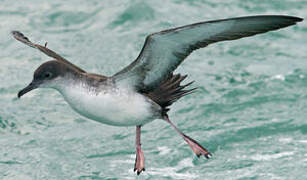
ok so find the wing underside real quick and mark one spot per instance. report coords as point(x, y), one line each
point(165, 50)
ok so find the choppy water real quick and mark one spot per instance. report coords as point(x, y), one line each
point(250, 110)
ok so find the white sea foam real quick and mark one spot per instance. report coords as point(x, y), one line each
point(279, 77)
point(163, 150)
point(285, 140)
point(171, 172)
point(267, 157)
point(303, 141)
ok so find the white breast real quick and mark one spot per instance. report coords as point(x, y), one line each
point(114, 107)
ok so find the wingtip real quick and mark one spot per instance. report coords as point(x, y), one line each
point(286, 20)
point(286, 17)
point(17, 35)
point(299, 19)
point(14, 32)
point(295, 18)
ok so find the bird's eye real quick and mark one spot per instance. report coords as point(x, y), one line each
point(47, 75)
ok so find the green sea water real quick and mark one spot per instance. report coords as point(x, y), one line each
point(250, 109)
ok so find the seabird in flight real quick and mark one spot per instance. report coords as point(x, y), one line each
point(144, 90)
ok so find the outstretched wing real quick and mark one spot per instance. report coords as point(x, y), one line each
point(20, 37)
point(165, 50)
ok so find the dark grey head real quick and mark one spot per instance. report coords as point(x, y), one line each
point(45, 74)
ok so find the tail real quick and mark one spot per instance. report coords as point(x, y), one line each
point(170, 91)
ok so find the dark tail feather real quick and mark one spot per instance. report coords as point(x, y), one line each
point(170, 91)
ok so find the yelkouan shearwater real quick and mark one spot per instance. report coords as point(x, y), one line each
point(144, 90)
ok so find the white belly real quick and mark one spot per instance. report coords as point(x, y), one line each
point(117, 108)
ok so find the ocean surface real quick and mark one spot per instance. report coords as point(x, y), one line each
point(250, 109)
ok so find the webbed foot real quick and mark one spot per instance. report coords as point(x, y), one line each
point(139, 164)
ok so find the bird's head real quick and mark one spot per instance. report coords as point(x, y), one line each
point(46, 75)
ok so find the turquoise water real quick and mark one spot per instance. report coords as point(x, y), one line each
point(250, 110)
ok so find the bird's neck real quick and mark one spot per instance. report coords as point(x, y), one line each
point(63, 82)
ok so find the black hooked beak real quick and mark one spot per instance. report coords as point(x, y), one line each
point(30, 87)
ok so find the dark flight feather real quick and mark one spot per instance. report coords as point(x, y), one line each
point(170, 91)
point(20, 37)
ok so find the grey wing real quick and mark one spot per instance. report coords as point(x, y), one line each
point(20, 37)
point(165, 50)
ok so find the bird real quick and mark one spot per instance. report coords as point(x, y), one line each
point(144, 90)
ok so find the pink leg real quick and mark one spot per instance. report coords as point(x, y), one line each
point(139, 164)
point(195, 146)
